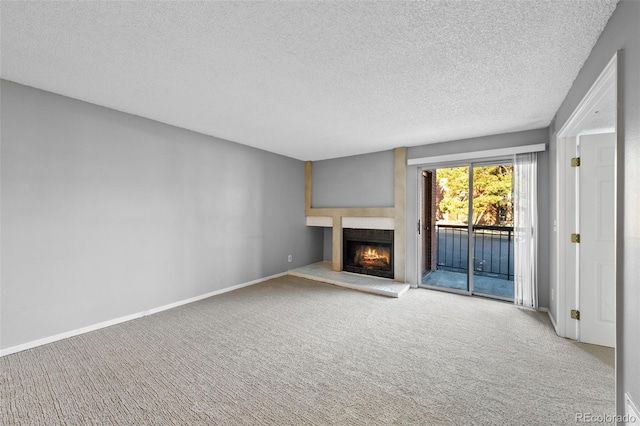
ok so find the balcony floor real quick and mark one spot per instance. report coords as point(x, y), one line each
point(481, 284)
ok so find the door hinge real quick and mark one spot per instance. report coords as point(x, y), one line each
point(575, 238)
point(575, 314)
point(419, 228)
point(575, 162)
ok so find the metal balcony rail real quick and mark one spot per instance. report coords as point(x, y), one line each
point(493, 249)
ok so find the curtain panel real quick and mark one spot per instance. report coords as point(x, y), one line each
point(525, 230)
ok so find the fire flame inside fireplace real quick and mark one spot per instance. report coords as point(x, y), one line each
point(372, 257)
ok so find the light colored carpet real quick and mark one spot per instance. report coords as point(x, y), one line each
point(296, 352)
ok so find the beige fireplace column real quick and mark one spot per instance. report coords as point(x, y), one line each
point(399, 217)
point(336, 259)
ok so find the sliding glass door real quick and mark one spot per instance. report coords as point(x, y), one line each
point(473, 229)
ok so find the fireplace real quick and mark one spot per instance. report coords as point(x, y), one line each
point(368, 251)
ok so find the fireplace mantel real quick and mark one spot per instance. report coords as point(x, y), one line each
point(387, 223)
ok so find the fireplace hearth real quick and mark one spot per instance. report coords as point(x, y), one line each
point(368, 251)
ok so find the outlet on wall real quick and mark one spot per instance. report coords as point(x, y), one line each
point(290, 258)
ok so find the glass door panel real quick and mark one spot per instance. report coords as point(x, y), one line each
point(450, 187)
point(492, 230)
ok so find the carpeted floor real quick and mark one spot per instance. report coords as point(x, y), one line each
point(296, 352)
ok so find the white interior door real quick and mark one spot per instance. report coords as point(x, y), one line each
point(597, 252)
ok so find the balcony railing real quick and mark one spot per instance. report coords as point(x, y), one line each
point(493, 249)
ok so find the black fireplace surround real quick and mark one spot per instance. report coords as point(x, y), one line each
point(368, 251)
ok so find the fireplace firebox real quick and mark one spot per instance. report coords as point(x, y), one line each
point(368, 251)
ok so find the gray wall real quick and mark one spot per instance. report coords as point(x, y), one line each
point(621, 32)
point(105, 214)
point(359, 181)
point(480, 144)
point(327, 251)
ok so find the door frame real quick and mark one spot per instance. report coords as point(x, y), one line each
point(567, 253)
point(426, 226)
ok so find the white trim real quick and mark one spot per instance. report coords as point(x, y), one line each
point(368, 222)
point(355, 222)
point(565, 280)
point(108, 323)
point(630, 410)
point(477, 155)
point(323, 221)
point(602, 85)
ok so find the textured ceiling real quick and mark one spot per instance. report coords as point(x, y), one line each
point(311, 80)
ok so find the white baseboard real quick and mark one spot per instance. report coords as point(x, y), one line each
point(553, 321)
point(93, 327)
point(631, 412)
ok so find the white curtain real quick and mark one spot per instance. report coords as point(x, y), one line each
point(525, 227)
